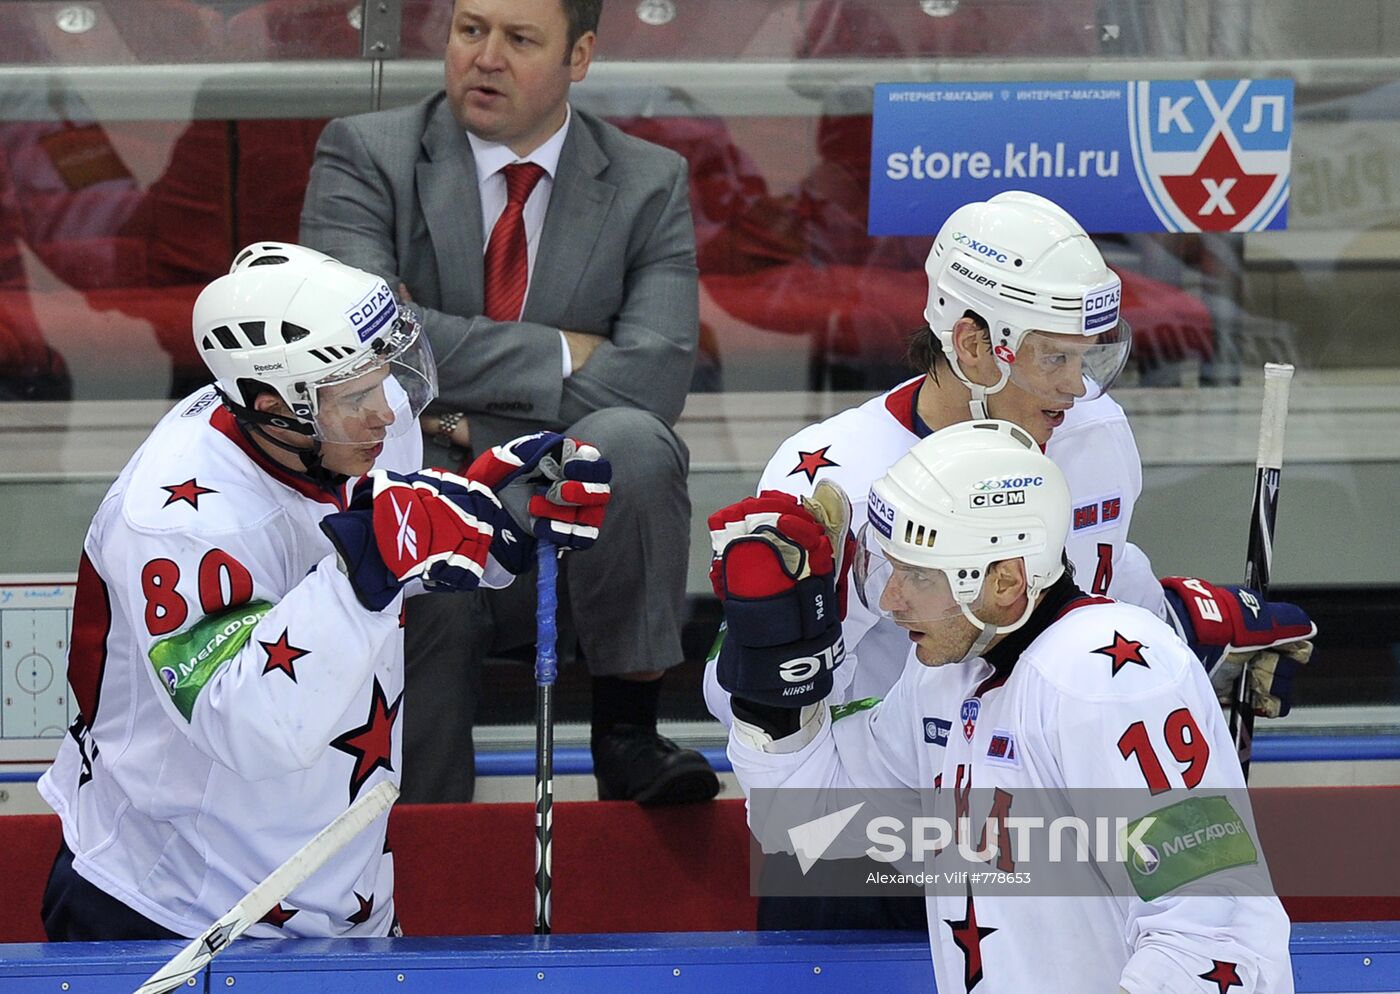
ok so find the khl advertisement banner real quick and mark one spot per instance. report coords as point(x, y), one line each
point(1166, 155)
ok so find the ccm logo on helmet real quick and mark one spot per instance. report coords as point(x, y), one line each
point(1001, 498)
point(981, 248)
point(975, 277)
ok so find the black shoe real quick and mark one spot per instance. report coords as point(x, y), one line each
point(635, 764)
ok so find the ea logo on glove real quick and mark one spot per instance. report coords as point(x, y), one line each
point(806, 668)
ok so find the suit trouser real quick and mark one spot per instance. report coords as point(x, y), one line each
point(620, 602)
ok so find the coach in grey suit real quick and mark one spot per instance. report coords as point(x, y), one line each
point(603, 351)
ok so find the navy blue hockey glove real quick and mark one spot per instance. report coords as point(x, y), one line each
point(430, 526)
point(1228, 626)
point(776, 569)
point(576, 477)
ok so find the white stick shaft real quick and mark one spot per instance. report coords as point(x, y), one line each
point(279, 883)
point(1278, 377)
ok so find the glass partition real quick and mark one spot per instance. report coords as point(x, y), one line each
point(143, 141)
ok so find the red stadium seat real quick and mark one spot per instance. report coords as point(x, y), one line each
point(858, 28)
point(107, 33)
point(667, 29)
point(328, 29)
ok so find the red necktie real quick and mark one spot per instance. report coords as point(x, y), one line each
point(507, 256)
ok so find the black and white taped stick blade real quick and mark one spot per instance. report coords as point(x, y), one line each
point(1268, 465)
point(1259, 558)
point(1278, 378)
point(279, 883)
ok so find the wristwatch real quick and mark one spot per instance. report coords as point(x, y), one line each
point(447, 425)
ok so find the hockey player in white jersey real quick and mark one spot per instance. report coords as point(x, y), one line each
point(237, 652)
point(1023, 324)
point(1028, 683)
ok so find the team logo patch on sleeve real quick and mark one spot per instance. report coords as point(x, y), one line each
point(1002, 749)
point(936, 731)
point(1100, 513)
point(812, 463)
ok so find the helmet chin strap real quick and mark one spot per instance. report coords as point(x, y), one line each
point(977, 402)
point(990, 631)
point(256, 422)
point(310, 458)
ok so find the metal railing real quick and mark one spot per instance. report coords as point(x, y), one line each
point(578, 761)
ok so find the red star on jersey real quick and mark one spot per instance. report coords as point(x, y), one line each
point(189, 492)
point(281, 655)
point(812, 463)
point(1123, 651)
point(371, 743)
point(969, 935)
point(1219, 194)
point(1223, 975)
point(366, 909)
point(279, 916)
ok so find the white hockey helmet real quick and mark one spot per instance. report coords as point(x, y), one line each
point(963, 498)
point(321, 335)
point(1051, 304)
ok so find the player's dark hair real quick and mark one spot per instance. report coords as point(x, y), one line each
point(924, 351)
point(583, 17)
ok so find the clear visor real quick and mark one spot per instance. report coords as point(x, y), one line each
point(913, 597)
point(1065, 368)
point(382, 395)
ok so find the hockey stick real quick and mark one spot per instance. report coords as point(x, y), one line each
point(546, 668)
point(279, 883)
point(1259, 561)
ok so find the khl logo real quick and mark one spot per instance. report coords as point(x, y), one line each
point(1213, 155)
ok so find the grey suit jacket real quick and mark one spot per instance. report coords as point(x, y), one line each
point(395, 193)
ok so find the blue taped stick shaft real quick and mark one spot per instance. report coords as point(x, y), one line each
point(546, 607)
point(546, 669)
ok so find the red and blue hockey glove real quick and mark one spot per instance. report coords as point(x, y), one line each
point(577, 480)
point(1229, 626)
point(430, 526)
point(777, 576)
